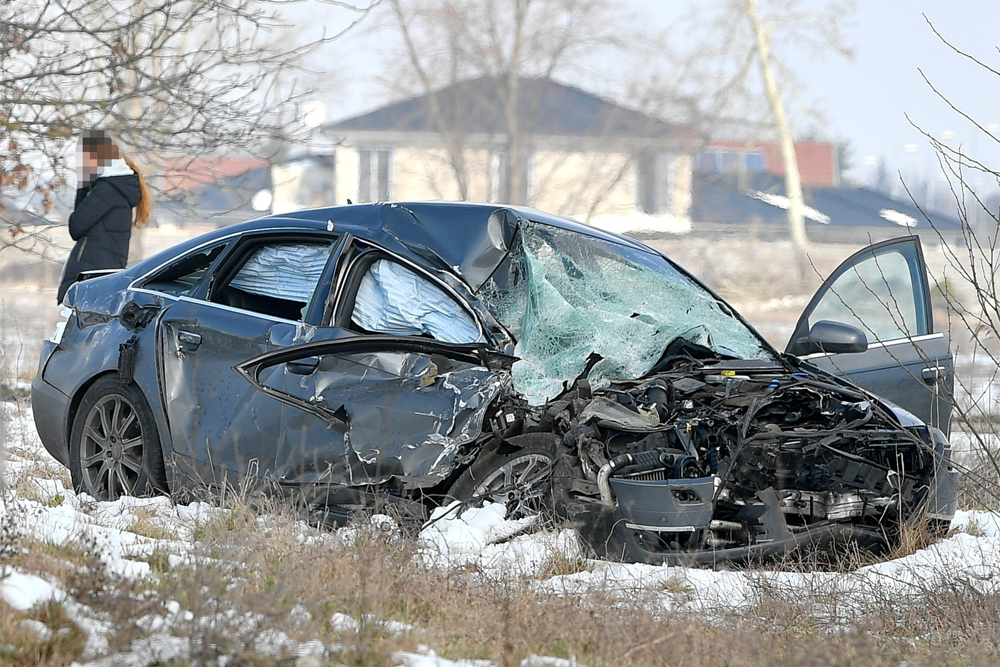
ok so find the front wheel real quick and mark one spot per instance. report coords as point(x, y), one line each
point(517, 476)
point(114, 447)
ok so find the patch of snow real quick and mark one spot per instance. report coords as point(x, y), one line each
point(483, 537)
point(456, 531)
point(345, 623)
point(378, 524)
point(639, 223)
point(274, 642)
point(151, 650)
point(781, 201)
point(898, 217)
point(777, 303)
point(36, 627)
point(15, 384)
point(549, 661)
point(24, 591)
point(426, 657)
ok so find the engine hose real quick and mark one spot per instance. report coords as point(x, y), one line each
point(620, 461)
point(607, 497)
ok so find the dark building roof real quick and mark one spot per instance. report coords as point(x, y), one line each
point(544, 108)
point(728, 198)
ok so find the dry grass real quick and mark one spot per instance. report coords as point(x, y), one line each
point(42, 636)
point(145, 525)
point(258, 574)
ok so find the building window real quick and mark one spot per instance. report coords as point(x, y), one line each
point(501, 191)
point(755, 162)
point(654, 182)
point(374, 174)
point(707, 164)
point(729, 160)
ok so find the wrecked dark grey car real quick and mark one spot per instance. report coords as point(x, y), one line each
point(409, 354)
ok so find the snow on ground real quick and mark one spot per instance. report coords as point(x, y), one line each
point(971, 556)
point(127, 532)
point(495, 546)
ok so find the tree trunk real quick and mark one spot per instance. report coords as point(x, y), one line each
point(793, 183)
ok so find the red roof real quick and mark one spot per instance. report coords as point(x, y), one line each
point(189, 173)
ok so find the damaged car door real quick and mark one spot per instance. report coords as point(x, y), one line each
point(872, 322)
point(256, 301)
point(370, 409)
point(402, 397)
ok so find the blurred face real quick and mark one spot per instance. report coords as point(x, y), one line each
point(90, 161)
point(87, 165)
point(91, 156)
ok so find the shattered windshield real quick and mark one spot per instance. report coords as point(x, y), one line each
point(568, 295)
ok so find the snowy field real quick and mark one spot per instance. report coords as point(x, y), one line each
point(138, 542)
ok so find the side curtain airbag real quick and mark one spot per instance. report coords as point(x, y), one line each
point(394, 300)
point(288, 271)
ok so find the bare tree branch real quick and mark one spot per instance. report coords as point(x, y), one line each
point(170, 78)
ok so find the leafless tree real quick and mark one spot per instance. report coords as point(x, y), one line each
point(170, 78)
point(445, 42)
point(712, 69)
point(793, 182)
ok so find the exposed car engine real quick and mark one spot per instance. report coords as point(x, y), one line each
point(708, 455)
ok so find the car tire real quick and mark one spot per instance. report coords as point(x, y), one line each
point(114, 447)
point(519, 472)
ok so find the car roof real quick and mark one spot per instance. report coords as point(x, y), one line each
point(446, 236)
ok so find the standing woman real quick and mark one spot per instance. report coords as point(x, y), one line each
point(110, 186)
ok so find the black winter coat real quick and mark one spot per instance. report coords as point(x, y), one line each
point(101, 225)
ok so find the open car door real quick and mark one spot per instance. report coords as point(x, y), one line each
point(883, 292)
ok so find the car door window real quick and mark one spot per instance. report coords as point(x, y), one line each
point(392, 299)
point(878, 294)
point(277, 279)
point(181, 277)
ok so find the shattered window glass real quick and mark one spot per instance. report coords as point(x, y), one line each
point(394, 300)
point(569, 295)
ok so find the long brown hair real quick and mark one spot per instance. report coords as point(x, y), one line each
point(145, 206)
point(101, 146)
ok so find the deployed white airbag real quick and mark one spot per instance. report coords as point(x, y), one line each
point(394, 300)
point(288, 271)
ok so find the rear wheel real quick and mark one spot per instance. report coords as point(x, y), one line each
point(114, 445)
point(517, 477)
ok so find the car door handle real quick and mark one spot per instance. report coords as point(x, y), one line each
point(188, 341)
point(931, 374)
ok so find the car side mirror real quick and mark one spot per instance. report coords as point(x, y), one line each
point(304, 366)
point(836, 338)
